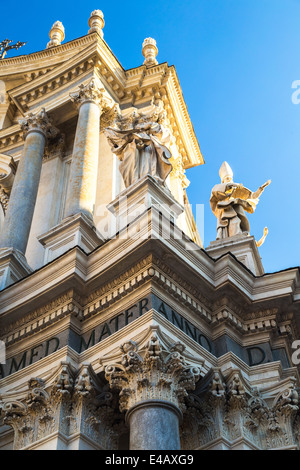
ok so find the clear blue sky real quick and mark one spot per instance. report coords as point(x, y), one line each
point(236, 61)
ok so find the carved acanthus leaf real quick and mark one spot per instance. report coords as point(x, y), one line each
point(39, 122)
point(152, 373)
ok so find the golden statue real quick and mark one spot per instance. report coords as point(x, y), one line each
point(229, 201)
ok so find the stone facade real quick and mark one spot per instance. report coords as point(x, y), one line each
point(120, 330)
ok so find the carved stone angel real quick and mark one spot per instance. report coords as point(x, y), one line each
point(139, 140)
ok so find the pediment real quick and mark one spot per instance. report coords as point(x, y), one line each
point(47, 78)
point(57, 83)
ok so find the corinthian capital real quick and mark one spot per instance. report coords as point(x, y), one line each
point(153, 373)
point(39, 122)
point(90, 92)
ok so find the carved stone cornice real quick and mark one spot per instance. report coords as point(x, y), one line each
point(152, 373)
point(11, 137)
point(66, 304)
point(149, 268)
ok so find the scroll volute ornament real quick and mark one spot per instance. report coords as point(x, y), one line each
point(7, 174)
point(8, 169)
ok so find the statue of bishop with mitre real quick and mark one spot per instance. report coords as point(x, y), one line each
point(229, 201)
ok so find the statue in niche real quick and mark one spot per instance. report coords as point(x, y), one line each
point(139, 140)
point(229, 201)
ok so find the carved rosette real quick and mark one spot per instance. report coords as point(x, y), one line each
point(38, 123)
point(153, 373)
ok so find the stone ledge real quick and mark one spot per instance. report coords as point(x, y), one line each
point(243, 247)
point(77, 230)
point(13, 267)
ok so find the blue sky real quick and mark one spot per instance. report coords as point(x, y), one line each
point(236, 61)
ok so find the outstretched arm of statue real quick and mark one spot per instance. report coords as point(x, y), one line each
point(261, 241)
point(260, 190)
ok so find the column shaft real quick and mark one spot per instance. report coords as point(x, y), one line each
point(81, 193)
point(154, 426)
point(23, 196)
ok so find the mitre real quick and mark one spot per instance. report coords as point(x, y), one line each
point(224, 171)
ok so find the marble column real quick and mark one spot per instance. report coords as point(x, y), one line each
point(154, 426)
point(21, 205)
point(153, 382)
point(81, 194)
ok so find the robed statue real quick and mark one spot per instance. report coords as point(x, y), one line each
point(140, 139)
point(230, 201)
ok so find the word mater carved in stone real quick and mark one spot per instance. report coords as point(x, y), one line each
point(114, 324)
point(103, 331)
point(14, 364)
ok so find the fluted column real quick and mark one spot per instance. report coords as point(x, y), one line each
point(153, 383)
point(81, 192)
point(23, 195)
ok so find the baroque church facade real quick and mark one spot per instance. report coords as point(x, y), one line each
point(120, 330)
